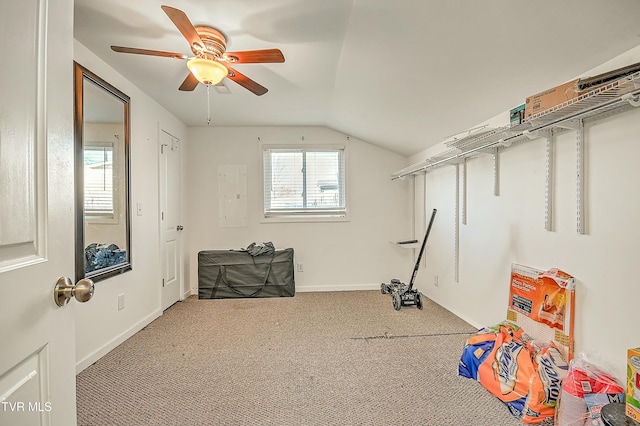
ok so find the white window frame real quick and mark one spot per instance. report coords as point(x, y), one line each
point(305, 215)
point(104, 217)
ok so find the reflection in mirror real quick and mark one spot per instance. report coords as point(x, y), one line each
point(103, 245)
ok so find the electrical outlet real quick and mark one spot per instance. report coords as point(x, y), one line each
point(121, 301)
point(435, 280)
point(300, 267)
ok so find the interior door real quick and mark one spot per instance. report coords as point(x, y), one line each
point(37, 353)
point(170, 221)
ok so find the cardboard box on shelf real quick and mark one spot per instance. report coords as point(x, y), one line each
point(550, 98)
point(633, 384)
point(557, 95)
point(516, 115)
point(586, 83)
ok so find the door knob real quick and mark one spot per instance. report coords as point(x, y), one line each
point(179, 227)
point(64, 290)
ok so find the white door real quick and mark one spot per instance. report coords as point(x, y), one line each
point(170, 221)
point(37, 349)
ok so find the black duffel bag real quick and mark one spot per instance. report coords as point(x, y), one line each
point(224, 274)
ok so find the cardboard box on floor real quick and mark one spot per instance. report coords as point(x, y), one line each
point(633, 384)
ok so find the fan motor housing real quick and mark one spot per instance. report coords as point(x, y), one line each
point(214, 41)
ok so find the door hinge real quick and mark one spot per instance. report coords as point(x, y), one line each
point(163, 282)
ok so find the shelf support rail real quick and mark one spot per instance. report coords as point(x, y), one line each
point(464, 192)
point(496, 171)
point(580, 178)
point(456, 228)
point(578, 126)
point(548, 183)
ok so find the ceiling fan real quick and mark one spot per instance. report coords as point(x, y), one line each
point(211, 62)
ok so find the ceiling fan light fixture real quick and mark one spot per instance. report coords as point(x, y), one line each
point(207, 71)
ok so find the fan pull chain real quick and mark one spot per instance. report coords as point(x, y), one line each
point(208, 106)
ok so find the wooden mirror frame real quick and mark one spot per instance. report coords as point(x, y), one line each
point(81, 74)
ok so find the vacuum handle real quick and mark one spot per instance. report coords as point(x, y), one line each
point(424, 243)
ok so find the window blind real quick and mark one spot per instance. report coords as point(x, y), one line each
point(304, 181)
point(98, 181)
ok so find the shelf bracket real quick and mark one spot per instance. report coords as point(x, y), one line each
point(537, 134)
point(571, 125)
point(504, 143)
point(548, 184)
point(634, 100)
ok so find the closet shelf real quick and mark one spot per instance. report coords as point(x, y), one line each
point(407, 244)
point(614, 97)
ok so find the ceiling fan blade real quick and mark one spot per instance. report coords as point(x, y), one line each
point(246, 82)
point(148, 52)
point(189, 83)
point(180, 20)
point(255, 56)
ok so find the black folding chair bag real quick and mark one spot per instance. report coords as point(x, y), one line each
point(224, 274)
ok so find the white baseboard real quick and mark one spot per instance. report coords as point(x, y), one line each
point(334, 287)
point(113, 343)
point(312, 288)
point(469, 321)
point(460, 315)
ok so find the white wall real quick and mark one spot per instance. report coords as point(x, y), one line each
point(336, 255)
point(100, 326)
point(510, 228)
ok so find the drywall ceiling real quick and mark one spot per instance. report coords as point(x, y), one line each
point(402, 74)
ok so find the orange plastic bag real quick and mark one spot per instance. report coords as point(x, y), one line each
point(507, 370)
point(550, 369)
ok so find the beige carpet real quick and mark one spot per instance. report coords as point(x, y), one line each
point(342, 358)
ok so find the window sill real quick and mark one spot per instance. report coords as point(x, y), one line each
point(304, 218)
point(102, 220)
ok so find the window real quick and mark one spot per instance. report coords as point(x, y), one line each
point(98, 181)
point(304, 182)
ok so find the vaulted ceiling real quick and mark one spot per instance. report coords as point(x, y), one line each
point(402, 74)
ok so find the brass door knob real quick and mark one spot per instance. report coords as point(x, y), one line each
point(64, 290)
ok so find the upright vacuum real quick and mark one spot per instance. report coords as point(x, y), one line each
point(401, 293)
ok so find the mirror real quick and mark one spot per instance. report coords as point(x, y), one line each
point(103, 238)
